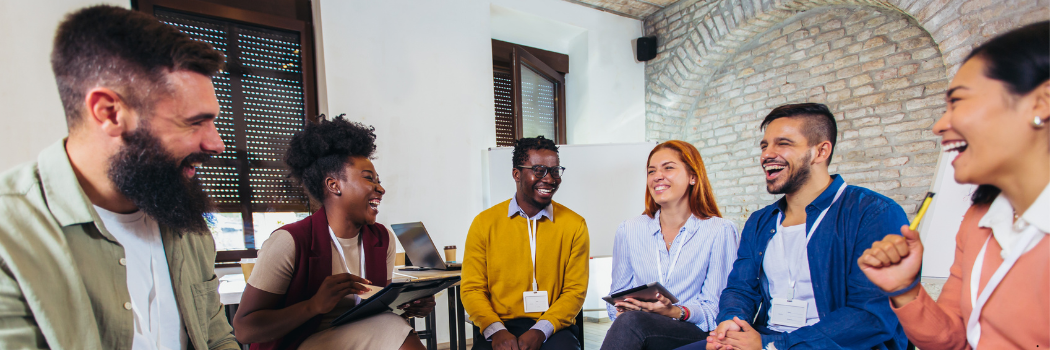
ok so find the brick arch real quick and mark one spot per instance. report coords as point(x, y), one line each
point(697, 36)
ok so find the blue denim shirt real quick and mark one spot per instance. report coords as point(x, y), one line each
point(854, 313)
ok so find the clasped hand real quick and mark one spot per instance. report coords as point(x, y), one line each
point(531, 340)
point(734, 334)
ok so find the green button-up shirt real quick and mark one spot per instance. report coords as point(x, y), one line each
point(64, 284)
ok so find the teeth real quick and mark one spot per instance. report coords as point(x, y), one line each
point(954, 146)
point(772, 167)
point(661, 187)
point(545, 191)
point(374, 203)
point(196, 164)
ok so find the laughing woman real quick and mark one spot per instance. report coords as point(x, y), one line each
point(680, 241)
point(310, 272)
point(996, 122)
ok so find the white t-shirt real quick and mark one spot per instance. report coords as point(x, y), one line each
point(158, 325)
point(787, 254)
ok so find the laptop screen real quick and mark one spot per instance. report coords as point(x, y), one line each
point(418, 245)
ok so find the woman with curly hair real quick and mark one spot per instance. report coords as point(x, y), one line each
point(310, 272)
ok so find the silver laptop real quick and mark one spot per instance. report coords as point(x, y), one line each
point(419, 247)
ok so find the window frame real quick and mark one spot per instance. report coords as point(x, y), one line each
point(509, 57)
point(309, 82)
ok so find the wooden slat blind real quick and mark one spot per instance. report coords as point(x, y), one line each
point(502, 80)
point(263, 105)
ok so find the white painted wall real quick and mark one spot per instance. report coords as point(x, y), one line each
point(421, 73)
point(33, 116)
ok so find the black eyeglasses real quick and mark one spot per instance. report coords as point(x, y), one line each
point(542, 170)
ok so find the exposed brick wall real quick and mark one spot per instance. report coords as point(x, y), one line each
point(882, 68)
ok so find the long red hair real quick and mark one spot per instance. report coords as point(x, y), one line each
point(701, 197)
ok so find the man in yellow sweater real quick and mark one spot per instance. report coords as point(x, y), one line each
point(515, 306)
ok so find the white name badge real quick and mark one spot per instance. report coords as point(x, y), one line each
point(791, 313)
point(535, 301)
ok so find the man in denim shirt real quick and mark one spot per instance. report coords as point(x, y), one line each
point(795, 283)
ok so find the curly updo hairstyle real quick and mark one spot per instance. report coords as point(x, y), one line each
point(323, 149)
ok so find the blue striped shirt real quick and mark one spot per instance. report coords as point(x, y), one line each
point(707, 250)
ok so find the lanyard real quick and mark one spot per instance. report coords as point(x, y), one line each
point(533, 225)
point(660, 263)
point(973, 326)
point(342, 256)
point(798, 266)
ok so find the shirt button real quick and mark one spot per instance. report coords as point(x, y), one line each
point(773, 231)
point(123, 262)
point(127, 306)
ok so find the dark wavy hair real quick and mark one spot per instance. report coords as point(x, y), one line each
point(323, 149)
point(127, 51)
point(819, 124)
point(523, 145)
point(1020, 59)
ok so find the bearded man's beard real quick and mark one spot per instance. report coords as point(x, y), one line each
point(795, 180)
point(153, 180)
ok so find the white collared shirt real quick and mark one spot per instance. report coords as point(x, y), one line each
point(1000, 218)
point(158, 325)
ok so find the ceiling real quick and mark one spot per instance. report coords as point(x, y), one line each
point(637, 9)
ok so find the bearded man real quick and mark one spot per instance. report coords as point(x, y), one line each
point(104, 244)
point(795, 283)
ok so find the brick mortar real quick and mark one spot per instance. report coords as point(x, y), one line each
point(723, 65)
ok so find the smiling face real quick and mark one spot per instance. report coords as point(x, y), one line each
point(185, 124)
point(786, 156)
point(668, 178)
point(360, 191)
point(986, 127)
point(534, 191)
point(155, 166)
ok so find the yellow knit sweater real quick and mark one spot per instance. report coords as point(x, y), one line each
point(497, 267)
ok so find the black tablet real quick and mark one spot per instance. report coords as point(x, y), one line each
point(646, 292)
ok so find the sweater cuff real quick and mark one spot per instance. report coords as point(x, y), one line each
point(492, 329)
point(546, 327)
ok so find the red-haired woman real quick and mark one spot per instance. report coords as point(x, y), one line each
point(680, 241)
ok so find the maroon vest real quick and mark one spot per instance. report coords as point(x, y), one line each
point(313, 263)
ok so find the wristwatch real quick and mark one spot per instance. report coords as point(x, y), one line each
point(681, 314)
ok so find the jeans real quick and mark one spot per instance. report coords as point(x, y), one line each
point(635, 330)
point(566, 339)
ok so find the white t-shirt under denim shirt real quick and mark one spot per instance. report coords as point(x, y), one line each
point(158, 325)
point(788, 252)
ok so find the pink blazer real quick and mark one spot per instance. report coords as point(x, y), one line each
point(1016, 316)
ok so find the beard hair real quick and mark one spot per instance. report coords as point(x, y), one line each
point(794, 180)
point(152, 179)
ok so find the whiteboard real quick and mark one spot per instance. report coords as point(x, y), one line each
point(938, 229)
point(604, 183)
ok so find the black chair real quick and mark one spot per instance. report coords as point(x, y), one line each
point(579, 326)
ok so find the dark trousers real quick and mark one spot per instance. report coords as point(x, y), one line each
point(565, 339)
point(635, 330)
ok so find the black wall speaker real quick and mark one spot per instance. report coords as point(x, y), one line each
point(646, 48)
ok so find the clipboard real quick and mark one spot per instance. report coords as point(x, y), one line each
point(393, 296)
point(645, 292)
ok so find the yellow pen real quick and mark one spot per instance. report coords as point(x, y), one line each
point(922, 211)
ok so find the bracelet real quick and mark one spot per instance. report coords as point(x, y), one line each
point(904, 290)
point(686, 311)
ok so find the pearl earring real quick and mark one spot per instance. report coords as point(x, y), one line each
point(1038, 122)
